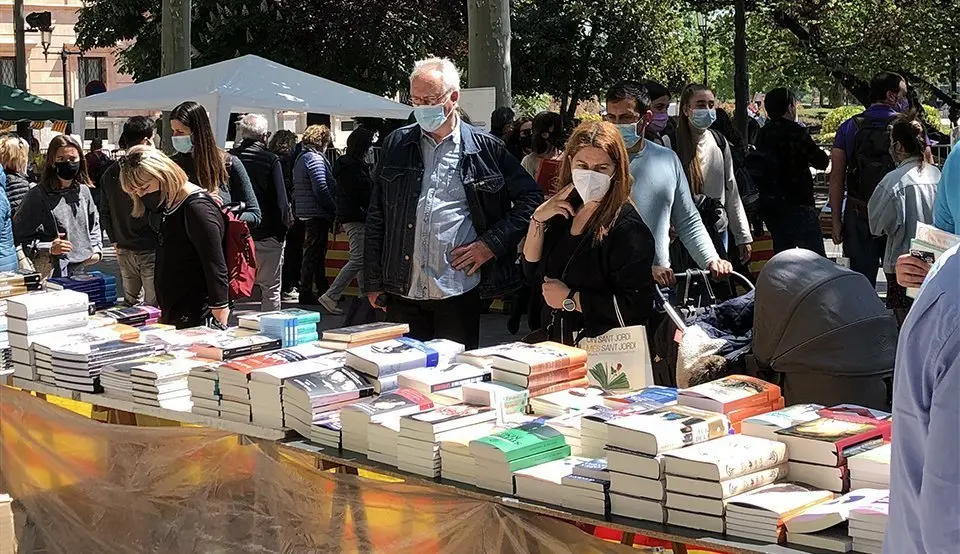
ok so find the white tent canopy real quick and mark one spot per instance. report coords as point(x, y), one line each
point(244, 84)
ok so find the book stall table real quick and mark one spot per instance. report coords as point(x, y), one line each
point(276, 443)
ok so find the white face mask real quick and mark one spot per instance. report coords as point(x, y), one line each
point(591, 185)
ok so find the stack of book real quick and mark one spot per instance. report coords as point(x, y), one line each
point(541, 368)
point(819, 448)
point(635, 444)
point(346, 338)
point(292, 326)
point(99, 287)
point(929, 243)
point(41, 349)
point(455, 460)
point(303, 400)
point(383, 361)
point(234, 394)
point(570, 425)
point(237, 371)
point(234, 343)
point(737, 396)
point(32, 315)
point(870, 469)
point(355, 418)
point(176, 338)
point(251, 320)
point(544, 482)
point(15, 283)
point(760, 514)
point(497, 456)
point(204, 385)
point(6, 359)
point(442, 378)
point(163, 384)
point(77, 366)
point(509, 400)
point(593, 426)
point(136, 316)
point(117, 378)
point(326, 429)
point(824, 526)
point(587, 487)
point(868, 524)
point(418, 444)
point(702, 477)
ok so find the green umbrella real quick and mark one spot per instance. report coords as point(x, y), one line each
point(16, 105)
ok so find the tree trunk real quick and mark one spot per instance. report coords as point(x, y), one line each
point(488, 23)
point(174, 49)
point(954, 73)
point(741, 76)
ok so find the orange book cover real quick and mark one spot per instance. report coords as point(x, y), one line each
point(731, 393)
point(557, 387)
point(572, 357)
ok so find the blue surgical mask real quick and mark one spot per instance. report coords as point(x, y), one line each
point(430, 118)
point(703, 118)
point(182, 144)
point(629, 134)
point(902, 105)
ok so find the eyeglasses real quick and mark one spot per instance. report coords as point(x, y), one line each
point(430, 100)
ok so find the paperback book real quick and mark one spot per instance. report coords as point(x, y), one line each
point(665, 429)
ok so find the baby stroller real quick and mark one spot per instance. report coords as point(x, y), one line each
point(700, 340)
point(822, 334)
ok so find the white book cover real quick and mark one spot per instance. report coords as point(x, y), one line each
point(877, 511)
point(665, 429)
point(552, 472)
point(390, 357)
point(777, 500)
point(726, 457)
point(47, 304)
point(446, 376)
point(875, 461)
point(51, 324)
point(767, 425)
point(278, 373)
point(826, 515)
point(570, 399)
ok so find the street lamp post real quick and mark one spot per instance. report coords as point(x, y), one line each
point(704, 25)
point(63, 63)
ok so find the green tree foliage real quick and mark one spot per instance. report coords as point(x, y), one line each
point(368, 45)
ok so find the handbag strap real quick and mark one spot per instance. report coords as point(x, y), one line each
point(616, 308)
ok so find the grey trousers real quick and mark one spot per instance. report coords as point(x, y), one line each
point(269, 269)
point(354, 266)
point(137, 275)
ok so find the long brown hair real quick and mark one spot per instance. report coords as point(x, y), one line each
point(909, 132)
point(208, 160)
point(49, 177)
point(688, 142)
point(605, 136)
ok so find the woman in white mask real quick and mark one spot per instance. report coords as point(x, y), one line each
point(708, 164)
point(587, 244)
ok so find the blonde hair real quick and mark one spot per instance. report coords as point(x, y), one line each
point(143, 166)
point(317, 135)
point(14, 154)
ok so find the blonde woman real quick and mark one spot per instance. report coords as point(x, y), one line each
point(14, 158)
point(313, 197)
point(191, 272)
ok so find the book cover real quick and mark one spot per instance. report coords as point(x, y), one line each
point(47, 304)
point(778, 501)
point(666, 428)
point(766, 425)
point(276, 375)
point(299, 353)
point(252, 321)
point(366, 331)
point(328, 386)
point(387, 358)
point(433, 379)
point(530, 359)
point(874, 461)
point(400, 399)
point(828, 440)
point(450, 417)
point(576, 395)
point(729, 393)
point(233, 344)
point(878, 510)
point(726, 457)
point(518, 442)
point(653, 396)
point(551, 472)
point(178, 338)
point(47, 324)
point(828, 514)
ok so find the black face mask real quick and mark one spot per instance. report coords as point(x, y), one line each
point(67, 170)
point(153, 201)
point(526, 142)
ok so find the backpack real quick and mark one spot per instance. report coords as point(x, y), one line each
point(238, 250)
point(761, 167)
point(749, 195)
point(870, 160)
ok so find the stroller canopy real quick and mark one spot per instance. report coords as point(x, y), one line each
point(814, 316)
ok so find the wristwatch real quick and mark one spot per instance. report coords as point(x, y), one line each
point(569, 304)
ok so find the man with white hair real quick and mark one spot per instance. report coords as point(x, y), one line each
point(448, 209)
point(266, 175)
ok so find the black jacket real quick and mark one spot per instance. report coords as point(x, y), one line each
point(791, 152)
point(354, 184)
point(621, 264)
point(266, 175)
point(17, 188)
point(501, 196)
point(237, 188)
point(138, 234)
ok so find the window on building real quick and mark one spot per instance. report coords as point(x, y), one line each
point(8, 71)
point(91, 69)
point(347, 125)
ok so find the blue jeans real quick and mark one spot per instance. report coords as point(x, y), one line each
point(793, 227)
point(864, 250)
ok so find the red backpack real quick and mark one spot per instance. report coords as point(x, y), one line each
point(238, 250)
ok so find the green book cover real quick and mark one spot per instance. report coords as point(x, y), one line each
point(525, 440)
point(541, 458)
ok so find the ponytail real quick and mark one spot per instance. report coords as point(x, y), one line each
point(908, 132)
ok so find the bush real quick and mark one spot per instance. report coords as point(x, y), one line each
point(837, 116)
point(933, 118)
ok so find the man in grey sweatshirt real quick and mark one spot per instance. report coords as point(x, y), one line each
point(660, 189)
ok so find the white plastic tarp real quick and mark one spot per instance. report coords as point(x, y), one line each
point(247, 83)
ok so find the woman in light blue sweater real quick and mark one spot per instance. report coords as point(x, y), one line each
point(906, 196)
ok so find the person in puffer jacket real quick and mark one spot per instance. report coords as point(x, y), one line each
point(14, 155)
point(8, 252)
point(314, 204)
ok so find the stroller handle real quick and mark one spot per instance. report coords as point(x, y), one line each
point(688, 276)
